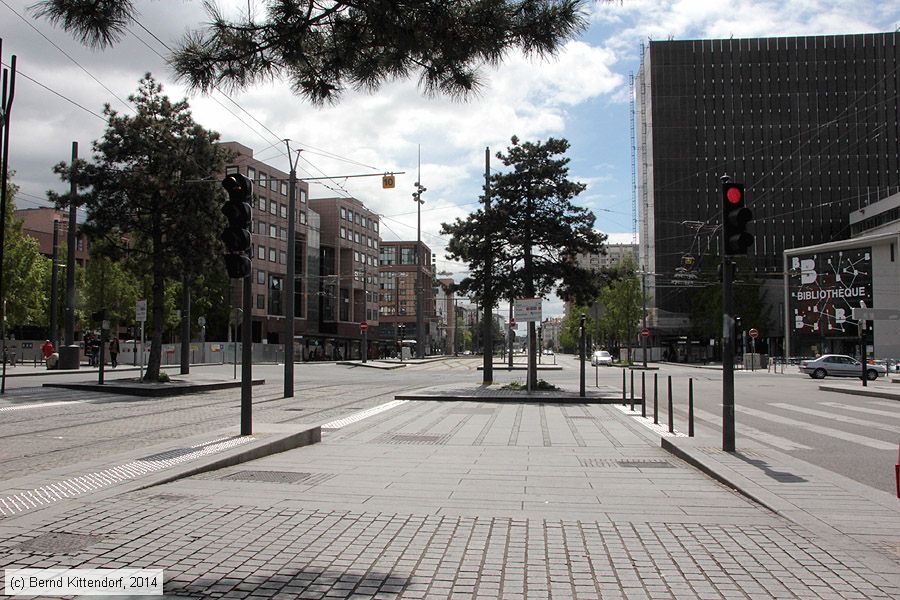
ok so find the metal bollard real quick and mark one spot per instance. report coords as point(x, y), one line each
point(643, 394)
point(623, 387)
point(691, 407)
point(671, 415)
point(597, 375)
point(632, 390)
point(655, 403)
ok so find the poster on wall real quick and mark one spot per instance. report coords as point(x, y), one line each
point(825, 287)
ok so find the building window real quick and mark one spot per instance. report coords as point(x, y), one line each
point(273, 231)
point(251, 173)
point(343, 233)
point(343, 213)
point(262, 179)
point(282, 233)
point(260, 276)
point(275, 286)
point(302, 196)
point(284, 188)
point(273, 255)
point(260, 301)
point(282, 257)
point(407, 255)
point(273, 184)
point(232, 170)
point(388, 255)
point(273, 207)
point(303, 217)
point(261, 252)
point(350, 215)
point(262, 204)
point(282, 210)
point(261, 228)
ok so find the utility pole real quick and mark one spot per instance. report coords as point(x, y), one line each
point(488, 335)
point(54, 288)
point(70, 257)
point(364, 351)
point(289, 284)
point(9, 79)
point(644, 301)
point(420, 321)
point(185, 325)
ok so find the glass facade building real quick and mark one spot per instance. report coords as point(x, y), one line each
point(808, 124)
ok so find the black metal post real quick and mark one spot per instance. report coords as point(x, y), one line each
point(643, 394)
point(185, 326)
point(623, 387)
point(655, 400)
point(690, 407)
point(581, 391)
point(100, 373)
point(290, 289)
point(246, 359)
point(631, 395)
point(54, 289)
point(597, 375)
point(671, 413)
point(862, 350)
point(487, 364)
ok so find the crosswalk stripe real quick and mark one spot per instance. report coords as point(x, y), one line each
point(756, 434)
point(837, 417)
point(835, 433)
point(872, 411)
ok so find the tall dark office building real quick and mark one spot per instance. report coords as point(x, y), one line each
point(808, 124)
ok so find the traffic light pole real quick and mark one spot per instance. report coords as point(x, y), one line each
point(727, 359)
point(290, 283)
point(246, 358)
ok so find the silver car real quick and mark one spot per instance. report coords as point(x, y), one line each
point(839, 365)
point(601, 358)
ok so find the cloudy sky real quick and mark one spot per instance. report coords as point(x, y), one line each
point(582, 94)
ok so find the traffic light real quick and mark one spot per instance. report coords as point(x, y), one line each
point(236, 236)
point(735, 217)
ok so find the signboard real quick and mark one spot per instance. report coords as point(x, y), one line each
point(645, 332)
point(527, 309)
point(363, 326)
point(826, 287)
point(141, 311)
point(754, 333)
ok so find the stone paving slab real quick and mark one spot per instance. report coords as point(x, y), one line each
point(494, 393)
point(409, 504)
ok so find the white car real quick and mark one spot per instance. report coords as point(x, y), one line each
point(840, 365)
point(601, 358)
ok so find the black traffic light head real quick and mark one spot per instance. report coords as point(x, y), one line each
point(735, 216)
point(238, 210)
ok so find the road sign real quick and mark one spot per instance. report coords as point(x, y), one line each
point(527, 309)
point(363, 326)
point(754, 333)
point(141, 311)
point(645, 332)
point(387, 182)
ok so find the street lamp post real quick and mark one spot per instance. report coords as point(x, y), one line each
point(420, 341)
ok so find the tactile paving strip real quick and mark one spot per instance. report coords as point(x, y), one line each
point(85, 484)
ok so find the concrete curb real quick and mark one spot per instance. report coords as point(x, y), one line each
point(42, 372)
point(871, 392)
point(523, 397)
point(149, 390)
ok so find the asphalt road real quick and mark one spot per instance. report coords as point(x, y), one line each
point(855, 436)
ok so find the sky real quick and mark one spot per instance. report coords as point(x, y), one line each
point(581, 94)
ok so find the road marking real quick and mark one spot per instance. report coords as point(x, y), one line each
point(42, 405)
point(757, 435)
point(84, 484)
point(838, 417)
point(364, 414)
point(648, 422)
point(872, 411)
point(835, 433)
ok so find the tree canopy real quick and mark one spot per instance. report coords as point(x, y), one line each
point(25, 272)
point(323, 47)
point(151, 196)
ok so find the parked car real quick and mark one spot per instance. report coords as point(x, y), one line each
point(601, 358)
point(839, 365)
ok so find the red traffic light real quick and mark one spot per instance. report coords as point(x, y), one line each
point(734, 194)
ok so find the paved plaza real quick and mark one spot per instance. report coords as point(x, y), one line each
point(480, 499)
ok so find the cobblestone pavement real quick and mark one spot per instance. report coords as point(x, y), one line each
point(439, 500)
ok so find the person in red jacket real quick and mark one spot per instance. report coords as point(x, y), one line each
point(47, 349)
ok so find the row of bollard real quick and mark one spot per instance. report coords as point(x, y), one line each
point(671, 412)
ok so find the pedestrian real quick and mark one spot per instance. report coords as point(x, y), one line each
point(47, 349)
point(114, 352)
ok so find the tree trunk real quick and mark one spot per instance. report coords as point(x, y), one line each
point(159, 298)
